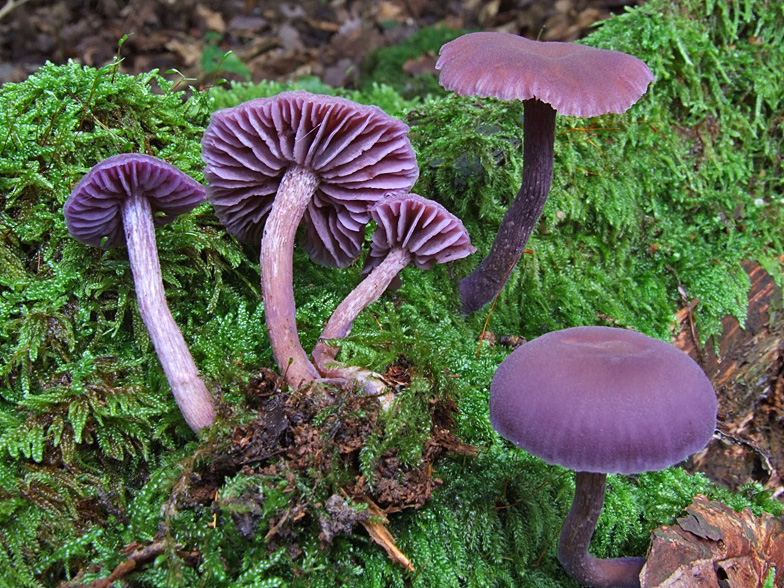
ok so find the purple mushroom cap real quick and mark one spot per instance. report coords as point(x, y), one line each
point(92, 212)
point(122, 200)
point(424, 228)
point(359, 154)
point(410, 229)
point(576, 80)
point(603, 400)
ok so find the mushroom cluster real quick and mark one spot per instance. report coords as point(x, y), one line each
point(594, 399)
point(549, 77)
point(272, 163)
point(123, 199)
point(601, 400)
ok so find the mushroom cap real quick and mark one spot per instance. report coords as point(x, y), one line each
point(603, 400)
point(427, 230)
point(333, 236)
point(576, 80)
point(92, 211)
point(358, 152)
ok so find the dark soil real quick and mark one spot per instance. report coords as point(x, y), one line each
point(316, 436)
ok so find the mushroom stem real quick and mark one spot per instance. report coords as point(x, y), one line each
point(189, 391)
point(484, 283)
point(578, 528)
point(277, 269)
point(339, 325)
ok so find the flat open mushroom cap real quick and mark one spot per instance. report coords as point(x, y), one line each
point(575, 80)
point(427, 230)
point(92, 211)
point(359, 154)
point(603, 400)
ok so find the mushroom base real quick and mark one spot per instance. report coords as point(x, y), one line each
point(576, 536)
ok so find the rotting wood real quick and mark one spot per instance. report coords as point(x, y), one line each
point(748, 375)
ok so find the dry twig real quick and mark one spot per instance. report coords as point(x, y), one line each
point(9, 6)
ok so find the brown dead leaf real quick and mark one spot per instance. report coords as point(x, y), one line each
point(424, 64)
point(381, 535)
point(188, 51)
point(213, 20)
point(715, 547)
point(388, 12)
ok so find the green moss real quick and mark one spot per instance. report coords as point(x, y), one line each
point(95, 455)
point(387, 64)
point(380, 94)
point(675, 193)
point(83, 401)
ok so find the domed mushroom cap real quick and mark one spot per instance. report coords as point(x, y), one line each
point(603, 400)
point(359, 154)
point(424, 228)
point(575, 80)
point(92, 211)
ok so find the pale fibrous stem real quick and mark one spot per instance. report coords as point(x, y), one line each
point(339, 325)
point(294, 194)
point(189, 390)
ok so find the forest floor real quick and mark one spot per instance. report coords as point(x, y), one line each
point(275, 40)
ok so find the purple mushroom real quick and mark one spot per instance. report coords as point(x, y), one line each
point(124, 198)
point(272, 162)
point(601, 400)
point(410, 229)
point(572, 79)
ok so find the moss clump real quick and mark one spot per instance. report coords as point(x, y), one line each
point(382, 95)
point(85, 410)
point(95, 454)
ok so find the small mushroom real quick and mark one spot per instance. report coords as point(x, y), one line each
point(124, 198)
point(271, 162)
point(572, 79)
point(601, 400)
point(410, 229)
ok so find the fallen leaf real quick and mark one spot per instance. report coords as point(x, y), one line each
point(189, 52)
point(388, 12)
point(381, 535)
point(213, 20)
point(713, 546)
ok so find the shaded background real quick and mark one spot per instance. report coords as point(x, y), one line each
point(271, 40)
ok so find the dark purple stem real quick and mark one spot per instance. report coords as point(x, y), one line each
point(190, 393)
point(486, 281)
point(576, 535)
point(295, 192)
point(339, 325)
